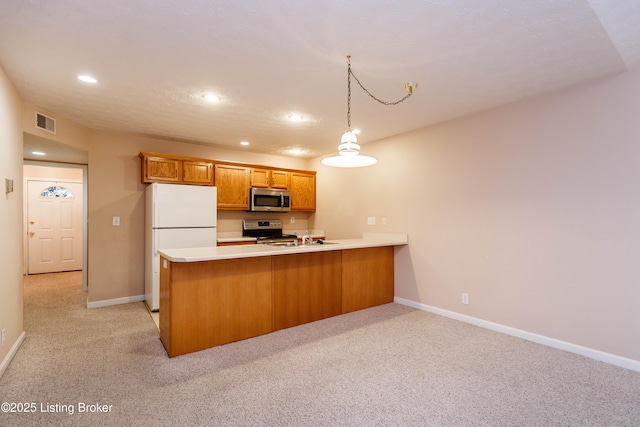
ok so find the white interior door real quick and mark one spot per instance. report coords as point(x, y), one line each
point(54, 226)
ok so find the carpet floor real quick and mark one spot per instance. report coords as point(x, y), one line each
point(386, 366)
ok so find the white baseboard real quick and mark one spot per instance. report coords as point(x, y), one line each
point(115, 301)
point(609, 358)
point(14, 349)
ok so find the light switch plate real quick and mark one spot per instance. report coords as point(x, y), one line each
point(116, 221)
point(8, 186)
point(371, 220)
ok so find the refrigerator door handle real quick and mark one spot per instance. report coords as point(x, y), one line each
point(155, 216)
point(154, 256)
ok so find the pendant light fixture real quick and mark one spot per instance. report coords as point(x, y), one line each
point(349, 150)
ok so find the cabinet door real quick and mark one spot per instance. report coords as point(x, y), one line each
point(280, 179)
point(267, 178)
point(303, 192)
point(160, 169)
point(233, 187)
point(260, 178)
point(194, 172)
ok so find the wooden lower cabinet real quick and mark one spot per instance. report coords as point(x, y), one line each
point(209, 303)
point(306, 288)
point(205, 304)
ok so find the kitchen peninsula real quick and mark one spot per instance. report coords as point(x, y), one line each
point(217, 295)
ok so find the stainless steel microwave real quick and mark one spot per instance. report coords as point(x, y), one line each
point(269, 200)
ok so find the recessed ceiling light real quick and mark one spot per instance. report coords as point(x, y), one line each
point(38, 153)
point(356, 131)
point(87, 79)
point(295, 117)
point(210, 97)
point(244, 142)
point(295, 151)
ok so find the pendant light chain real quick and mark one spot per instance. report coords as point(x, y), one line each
point(408, 87)
point(349, 151)
point(349, 93)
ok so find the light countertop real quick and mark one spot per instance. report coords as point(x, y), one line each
point(213, 253)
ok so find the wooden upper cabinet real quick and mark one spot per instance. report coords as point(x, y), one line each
point(280, 179)
point(233, 187)
point(196, 172)
point(269, 178)
point(260, 178)
point(176, 169)
point(232, 179)
point(159, 169)
point(303, 191)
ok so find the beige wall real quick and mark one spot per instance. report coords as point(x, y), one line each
point(67, 132)
point(52, 172)
point(11, 285)
point(532, 209)
point(116, 254)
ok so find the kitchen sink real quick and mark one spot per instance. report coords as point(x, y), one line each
point(282, 244)
point(300, 245)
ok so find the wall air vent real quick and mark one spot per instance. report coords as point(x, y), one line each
point(45, 123)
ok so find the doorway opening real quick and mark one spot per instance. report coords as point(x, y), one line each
point(55, 218)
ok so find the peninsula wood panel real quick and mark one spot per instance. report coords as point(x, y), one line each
point(367, 278)
point(216, 302)
point(306, 288)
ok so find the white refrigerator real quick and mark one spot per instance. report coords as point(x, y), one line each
point(176, 216)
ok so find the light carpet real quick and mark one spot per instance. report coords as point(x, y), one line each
point(386, 366)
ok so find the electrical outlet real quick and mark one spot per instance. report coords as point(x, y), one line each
point(465, 298)
point(2, 339)
point(293, 219)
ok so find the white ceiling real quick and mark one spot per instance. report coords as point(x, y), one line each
point(267, 59)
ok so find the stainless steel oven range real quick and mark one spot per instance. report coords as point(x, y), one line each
point(267, 231)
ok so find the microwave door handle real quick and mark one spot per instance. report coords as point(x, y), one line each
point(281, 200)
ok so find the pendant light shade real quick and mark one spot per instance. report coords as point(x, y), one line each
point(349, 154)
point(349, 161)
point(349, 150)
